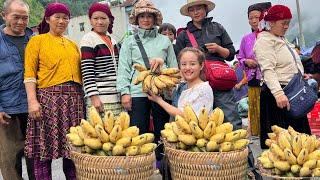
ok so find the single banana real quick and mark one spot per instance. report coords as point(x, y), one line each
point(124, 142)
point(88, 129)
point(195, 129)
point(276, 129)
point(201, 142)
point(108, 121)
point(176, 129)
point(217, 116)
point(118, 150)
point(311, 164)
point(314, 155)
point(203, 118)
point(302, 157)
point(283, 141)
point(159, 83)
point(93, 143)
point(219, 138)
point(296, 145)
point(295, 168)
point(169, 71)
point(132, 131)
point(132, 150)
point(139, 67)
point(224, 128)
point(226, 147)
point(278, 151)
point(305, 172)
point(232, 136)
point(316, 172)
point(189, 114)
point(107, 146)
point(142, 75)
point(183, 124)
point(212, 146)
point(282, 165)
point(147, 82)
point(169, 135)
point(94, 117)
point(187, 139)
point(209, 130)
point(102, 134)
point(115, 134)
point(139, 140)
point(240, 144)
point(290, 156)
point(147, 148)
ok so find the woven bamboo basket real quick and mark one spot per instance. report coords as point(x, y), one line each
point(89, 167)
point(267, 174)
point(206, 165)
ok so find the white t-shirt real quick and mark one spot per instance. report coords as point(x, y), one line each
point(197, 96)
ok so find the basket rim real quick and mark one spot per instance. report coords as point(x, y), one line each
point(123, 157)
point(169, 146)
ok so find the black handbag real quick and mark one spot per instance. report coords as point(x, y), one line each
point(301, 95)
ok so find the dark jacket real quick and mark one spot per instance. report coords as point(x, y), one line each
point(13, 98)
point(211, 32)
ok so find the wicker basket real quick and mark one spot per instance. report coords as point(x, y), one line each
point(206, 165)
point(89, 167)
point(267, 174)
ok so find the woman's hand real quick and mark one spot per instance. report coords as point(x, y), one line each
point(307, 76)
point(213, 47)
point(96, 102)
point(155, 64)
point(238, 86)
point(282, 102)
point(34, 110)
point(251, 63)
point(126, 101)
point(4, 118)
point(153, 97)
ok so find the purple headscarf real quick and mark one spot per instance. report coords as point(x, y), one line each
point(51, 9)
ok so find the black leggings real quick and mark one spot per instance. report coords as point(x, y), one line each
point(142, 107)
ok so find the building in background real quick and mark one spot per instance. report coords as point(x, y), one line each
point(79, 26)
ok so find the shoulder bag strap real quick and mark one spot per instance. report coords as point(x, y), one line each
point(294, 57)
point(143, 52)
point(192, 39)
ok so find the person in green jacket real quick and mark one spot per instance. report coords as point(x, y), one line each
point(160, 53)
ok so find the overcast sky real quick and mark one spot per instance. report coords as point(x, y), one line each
point(232, 14)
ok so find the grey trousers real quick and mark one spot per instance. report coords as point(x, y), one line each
point(226, 101)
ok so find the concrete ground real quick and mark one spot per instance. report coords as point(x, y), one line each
point(57, 173)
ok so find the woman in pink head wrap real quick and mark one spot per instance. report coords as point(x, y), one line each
point(278, 62)
point(99, 59)
point(55, 98)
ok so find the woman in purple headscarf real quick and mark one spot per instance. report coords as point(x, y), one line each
point(55, 98)
point(249, 63)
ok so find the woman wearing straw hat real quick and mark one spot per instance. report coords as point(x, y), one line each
point(217, 45)
point(159, 52)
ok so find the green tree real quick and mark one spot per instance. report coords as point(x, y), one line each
point(36, 11)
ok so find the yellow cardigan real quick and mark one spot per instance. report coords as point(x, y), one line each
point(51, 60)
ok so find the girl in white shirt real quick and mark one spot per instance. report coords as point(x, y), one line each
point(198, 93)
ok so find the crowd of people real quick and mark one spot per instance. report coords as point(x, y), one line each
point(48, 83)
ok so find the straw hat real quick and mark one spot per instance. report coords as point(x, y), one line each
point(145, 6)
point(184, 9)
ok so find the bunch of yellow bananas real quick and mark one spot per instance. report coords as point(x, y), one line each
point(205, 132)
point(110, 136)
point(156, 82)
point(291, 153)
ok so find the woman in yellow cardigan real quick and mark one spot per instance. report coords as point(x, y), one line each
point(55, 98)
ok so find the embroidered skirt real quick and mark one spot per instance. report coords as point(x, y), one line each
point(62, 106)
point(254, 109)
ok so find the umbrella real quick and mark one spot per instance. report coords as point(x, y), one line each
point(315, 54)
